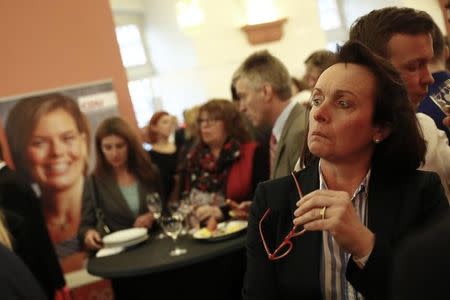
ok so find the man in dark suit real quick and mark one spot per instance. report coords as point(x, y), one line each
point(263, 85)
point(422, 264)
point(26, 224)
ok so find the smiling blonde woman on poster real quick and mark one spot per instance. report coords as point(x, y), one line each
point(48, 136)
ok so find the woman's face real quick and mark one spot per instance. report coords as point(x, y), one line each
point(212, 131)
point(164, 126)
point(57, 151)
point(115, 150)
point(340, 127)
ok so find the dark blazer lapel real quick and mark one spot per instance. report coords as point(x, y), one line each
point(142, 192)
point(305, 255)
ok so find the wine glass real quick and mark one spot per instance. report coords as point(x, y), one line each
point(185, 208)
point(172, 225)
point(154, 205)
point(441, 98)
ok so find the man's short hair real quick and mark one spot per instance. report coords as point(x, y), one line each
point(438, 42)
point(262, 67)
point(321, 59)
point(377, 27)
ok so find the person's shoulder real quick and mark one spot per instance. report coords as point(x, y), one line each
point(300, 117)
point(417, 176)
point(431, 133)
point(288, 180)
point(299, 110)
point(277, 183)
point(11, 180)
point(17, 280)
point(426, 122)
point(249, 146)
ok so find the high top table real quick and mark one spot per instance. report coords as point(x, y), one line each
point(209, 270)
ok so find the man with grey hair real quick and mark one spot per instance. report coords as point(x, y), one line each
point(263, 85)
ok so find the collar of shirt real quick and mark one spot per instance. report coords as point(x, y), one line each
point(362, 188)
point(277, 129)
point(2, 164)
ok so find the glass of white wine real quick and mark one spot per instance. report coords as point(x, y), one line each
point(442, 97)
point(172, 225)
point(154, 205)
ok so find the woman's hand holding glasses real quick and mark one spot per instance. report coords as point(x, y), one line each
point(333, 211)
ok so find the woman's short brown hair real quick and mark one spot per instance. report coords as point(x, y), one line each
point(226, 111)
point(404, 149)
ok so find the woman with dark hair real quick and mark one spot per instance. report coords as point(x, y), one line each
point(163, 153)
point(358, 196)
point(123, 176)
point(222, 165)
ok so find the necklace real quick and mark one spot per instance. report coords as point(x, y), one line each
point(61, 224)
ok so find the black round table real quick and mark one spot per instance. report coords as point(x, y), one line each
point(208, 269)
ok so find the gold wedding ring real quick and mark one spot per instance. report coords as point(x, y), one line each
point(322, 212)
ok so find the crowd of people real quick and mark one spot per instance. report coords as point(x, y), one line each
point(343, 176)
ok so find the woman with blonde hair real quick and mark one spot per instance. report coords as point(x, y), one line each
point(123, 177)
point(49, 142)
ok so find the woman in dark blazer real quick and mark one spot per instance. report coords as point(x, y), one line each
point(122, 178)
point(360, 193)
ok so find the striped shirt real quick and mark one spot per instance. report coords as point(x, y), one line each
point(334, 259)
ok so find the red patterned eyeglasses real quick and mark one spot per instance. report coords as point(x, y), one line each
point(286, 246)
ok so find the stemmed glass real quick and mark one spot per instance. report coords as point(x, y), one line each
point(441, 98)
point(154, 205)
point(185, 208)
point(172, 225)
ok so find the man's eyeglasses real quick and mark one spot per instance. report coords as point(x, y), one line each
point(286, 246)
point(206, 121)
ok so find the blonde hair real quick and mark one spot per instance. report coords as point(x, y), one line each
point(5, 237)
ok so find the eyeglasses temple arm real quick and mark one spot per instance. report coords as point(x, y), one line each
point(300, 192)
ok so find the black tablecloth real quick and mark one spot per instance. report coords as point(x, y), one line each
point(207, 271)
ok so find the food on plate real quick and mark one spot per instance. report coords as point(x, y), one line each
point(211, 224)
point(238, 211)
point(222, 229)
point(233, 227)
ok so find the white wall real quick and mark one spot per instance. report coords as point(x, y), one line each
point(127, 6)
point(195, 65)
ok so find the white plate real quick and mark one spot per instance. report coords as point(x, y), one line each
point(109, 251)
point(124, 236)
point(225, 230)
point(127, 243)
